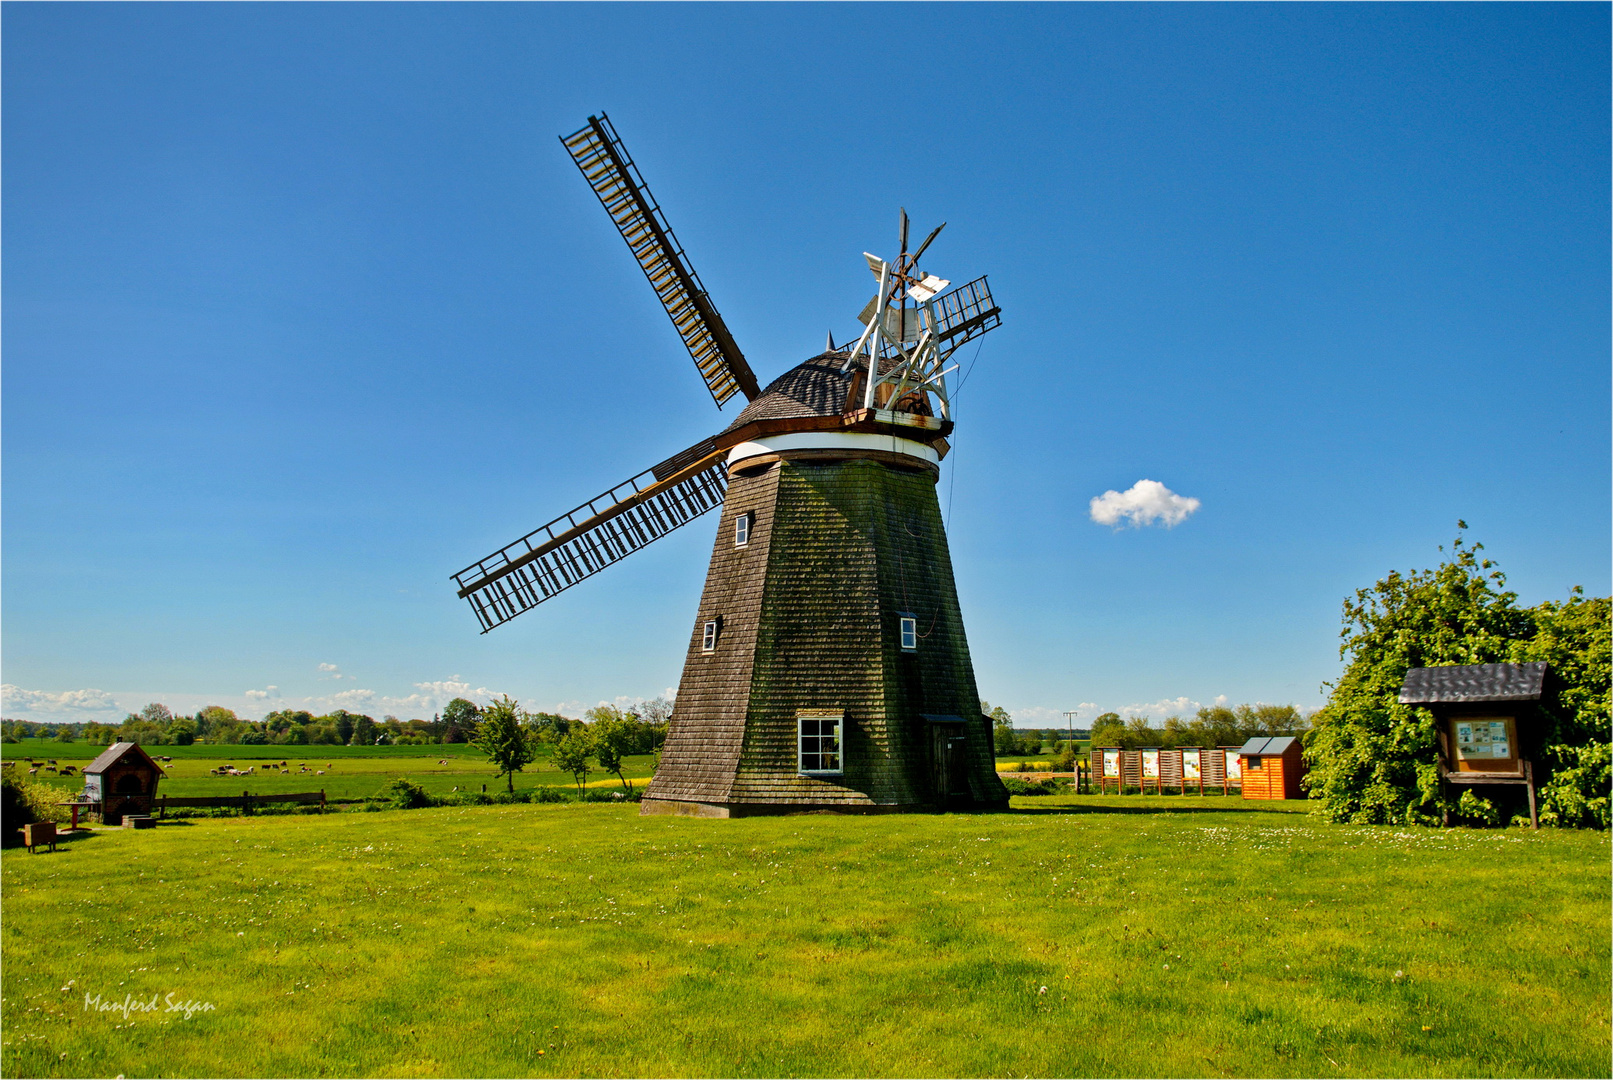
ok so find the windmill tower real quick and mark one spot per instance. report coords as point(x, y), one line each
point(827, 667)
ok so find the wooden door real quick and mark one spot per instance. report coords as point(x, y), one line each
point(949, 763)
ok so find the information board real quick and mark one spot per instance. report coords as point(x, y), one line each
point(1485, 743)
point(1234, 765)
point(1190, 764)
point(1111, 764)
point(1151, 764)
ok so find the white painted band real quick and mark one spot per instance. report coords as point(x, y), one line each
point(834, 440)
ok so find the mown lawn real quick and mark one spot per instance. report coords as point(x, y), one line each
point(1172, 937)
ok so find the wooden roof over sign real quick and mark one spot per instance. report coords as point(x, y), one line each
point(1474, 682)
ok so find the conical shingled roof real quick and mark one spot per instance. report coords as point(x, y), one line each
point(815, 388)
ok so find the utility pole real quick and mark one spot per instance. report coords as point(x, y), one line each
point(1069, 722)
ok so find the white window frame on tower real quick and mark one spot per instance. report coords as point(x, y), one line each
point(820, 742)
point(908, 631)
point(742, 524)
point(709, 634)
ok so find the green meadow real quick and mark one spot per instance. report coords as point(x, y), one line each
point(1074, 935)
point(342, 772)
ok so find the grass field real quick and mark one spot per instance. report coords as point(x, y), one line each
point(1172, 936)
point(350, 772)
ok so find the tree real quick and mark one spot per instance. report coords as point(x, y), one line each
point(323, 733)
point(548, 727)
point(182, 731)
point(1375, 760)
point(363, 731)
point(342, 722)
point(217, 724)
point(463, 715)
point(1004, 740)
point(1108, 730)
point(157, 714)
point(504, 738)
point(614, 738)
point(656, 711)
point(571, 755)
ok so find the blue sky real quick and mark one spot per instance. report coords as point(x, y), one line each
point(306, 308)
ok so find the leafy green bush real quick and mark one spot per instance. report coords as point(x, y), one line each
point(23, 802)
point(405, 794)
point(1016, 786)
point(1374, 760)
point(1577, 794)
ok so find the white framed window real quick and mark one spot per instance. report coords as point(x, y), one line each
point(910, 631)
point(820, 743)
point(742, 530)
point(708, 635)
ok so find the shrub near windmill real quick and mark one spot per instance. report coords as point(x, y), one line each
point(827, 667)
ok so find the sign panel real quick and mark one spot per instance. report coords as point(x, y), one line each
point(1151, 764)
point(1483, 739)
point(1190, 764)
point(1234, 765)
point(1111, 764)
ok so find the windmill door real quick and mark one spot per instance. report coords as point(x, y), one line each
point(949, 762)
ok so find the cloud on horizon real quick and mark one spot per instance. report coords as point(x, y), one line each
point(79, 702)
point(1147, 502)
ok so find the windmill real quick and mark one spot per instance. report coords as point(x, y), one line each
point(828, 667)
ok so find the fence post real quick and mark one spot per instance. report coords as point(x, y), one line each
point(321, 800)
point(246, 802)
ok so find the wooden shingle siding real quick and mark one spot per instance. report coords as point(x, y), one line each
point(810, 621)
point(707, 732)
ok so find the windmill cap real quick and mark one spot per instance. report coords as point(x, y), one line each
point(815, 388)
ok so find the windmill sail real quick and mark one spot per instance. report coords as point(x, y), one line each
point(616, 180)
point(554, 557)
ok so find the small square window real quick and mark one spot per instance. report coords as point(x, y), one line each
point(910, 632)
point(742, 530)
point(820, 743)
point(708, 636)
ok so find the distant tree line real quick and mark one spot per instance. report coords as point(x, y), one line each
point(1217, 725)
point(637, 730)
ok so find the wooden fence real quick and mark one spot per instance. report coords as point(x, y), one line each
point(1205, 770)
point(243, 802)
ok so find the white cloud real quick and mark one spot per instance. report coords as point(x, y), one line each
point(16, 699)
point(352, 699)
point(1183, 706)
point(1147, 502)
point(328, 667)
point(267, 692)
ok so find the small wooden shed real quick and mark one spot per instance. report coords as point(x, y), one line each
point(1272, 768)
point(123, 779)
point(1490, 720)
